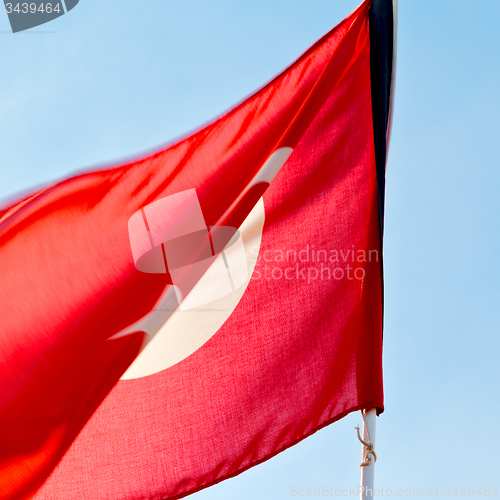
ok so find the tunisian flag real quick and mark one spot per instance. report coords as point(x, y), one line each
point(171, 322)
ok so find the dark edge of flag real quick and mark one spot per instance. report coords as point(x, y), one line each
point(381, 21)
point(381, 18)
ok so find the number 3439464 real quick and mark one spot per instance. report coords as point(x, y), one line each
point(470, 491)
point(33, 8)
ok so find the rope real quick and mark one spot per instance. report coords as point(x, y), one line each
point(368, 451)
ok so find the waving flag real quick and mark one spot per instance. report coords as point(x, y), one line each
point(171, 322)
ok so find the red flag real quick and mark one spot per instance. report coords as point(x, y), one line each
point(244, 261)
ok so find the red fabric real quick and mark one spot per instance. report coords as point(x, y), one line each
point(294, 355)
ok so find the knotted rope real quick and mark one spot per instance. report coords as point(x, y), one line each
point(368, 451)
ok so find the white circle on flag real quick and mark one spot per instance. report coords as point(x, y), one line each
point(186, 331)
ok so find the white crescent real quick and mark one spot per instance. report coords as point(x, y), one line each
point(175, 334)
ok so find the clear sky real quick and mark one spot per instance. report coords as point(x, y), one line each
point(111, 80)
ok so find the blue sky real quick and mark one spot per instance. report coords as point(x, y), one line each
point(111, 80)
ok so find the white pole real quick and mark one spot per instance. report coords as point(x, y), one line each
point(368, 471)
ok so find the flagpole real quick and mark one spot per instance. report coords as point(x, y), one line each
point(368, 456)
